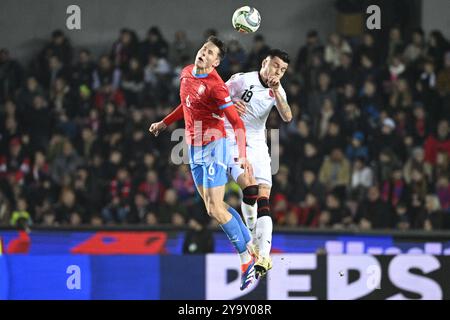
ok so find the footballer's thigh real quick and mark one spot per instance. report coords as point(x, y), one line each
point(261, 163)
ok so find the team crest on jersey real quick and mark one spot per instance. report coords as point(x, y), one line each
point(271, 93)
point(201, 89)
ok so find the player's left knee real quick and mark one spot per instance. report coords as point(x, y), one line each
point(263, 207)
point(250, 195)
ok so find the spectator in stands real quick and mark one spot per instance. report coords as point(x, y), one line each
point(133, 82)
point(312, 72)
point(335, 171)
point(65, 163)
point(335, 214)
point(309, 211)
point(281, 184)
point(396, 70)
point(417, 189)
point(387, 162)
point(367, 71)
point(427, 90)
point(323, 92)
point(416, 161)
point(180, 47)
point(394, 189)
point(184, 185)
point(437, 47)
point(37, 181)
point(443, 86)
point(124, 48)
point(20, 217)
point(420, 126)
point(443, 193)
point(386, 138)
point(67, 210)
point(82, 71)
point(345, 73)
point(59, 46)
point(118, 210)
point(170, 210)
point(157, 76)
point(280, 208)
point(306, 53)
point(257, 53)
point(438, 142)
point(401, 96)
point(11, 76)
point(308, 184)
point(441, 168)
point(370, 103)
point(431, 217)
point(402, 221)
point(362, 179)
point(335, 48)
point(311, 159)
point(396, 44)
point(139, 209)
point(152, 188)
point(106, 74)
point(373, 213)
point(367, 48)
point(154, 44)
point(416, 48)
point(356, 149)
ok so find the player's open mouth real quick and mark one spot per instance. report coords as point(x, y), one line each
point(200, 58)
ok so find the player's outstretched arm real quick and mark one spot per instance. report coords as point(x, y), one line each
point(239, 132)
point(157, 127)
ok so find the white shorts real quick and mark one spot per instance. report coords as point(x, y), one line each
point(257, 155)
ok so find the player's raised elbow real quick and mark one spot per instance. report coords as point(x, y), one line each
point(287, 118)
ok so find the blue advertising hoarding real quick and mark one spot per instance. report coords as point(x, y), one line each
point(138, 242)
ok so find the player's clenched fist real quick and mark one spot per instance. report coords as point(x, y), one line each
point(273, 82)
point(157, 127)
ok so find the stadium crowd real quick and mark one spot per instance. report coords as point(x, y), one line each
point(368, 148)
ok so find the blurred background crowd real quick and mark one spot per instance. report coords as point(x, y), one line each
point(368, 148)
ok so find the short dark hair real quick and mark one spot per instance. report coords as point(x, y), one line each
point(219, 44)
point(280, 54)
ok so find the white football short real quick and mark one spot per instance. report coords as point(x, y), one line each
point(257, 155)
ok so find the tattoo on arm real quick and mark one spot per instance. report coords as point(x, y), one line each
point(284, 109)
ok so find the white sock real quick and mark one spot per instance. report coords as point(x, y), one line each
point(264, 227)
point(250, 214)
point(245, 257)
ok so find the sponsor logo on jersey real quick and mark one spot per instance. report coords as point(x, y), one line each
point(201, 89)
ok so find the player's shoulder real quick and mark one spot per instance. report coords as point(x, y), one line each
point(236, 76)
point(215, 79)
point(187, 70)
point(244, 77)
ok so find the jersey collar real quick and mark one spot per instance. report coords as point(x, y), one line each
point(199, 75)
point(262, 81)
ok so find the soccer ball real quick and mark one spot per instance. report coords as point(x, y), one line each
point(246, 19)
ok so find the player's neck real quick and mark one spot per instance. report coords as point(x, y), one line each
point(198, 70)
point(262, 79)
